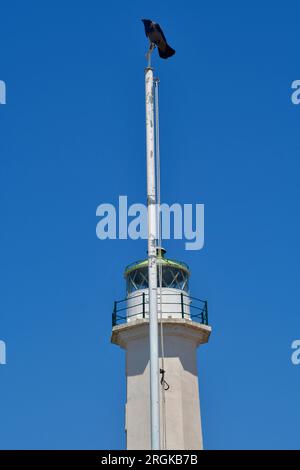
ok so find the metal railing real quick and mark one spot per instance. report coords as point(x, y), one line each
point(198, 313)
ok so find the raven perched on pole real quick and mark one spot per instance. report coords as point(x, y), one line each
point(157, 38)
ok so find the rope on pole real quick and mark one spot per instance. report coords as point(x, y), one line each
point(159, 231)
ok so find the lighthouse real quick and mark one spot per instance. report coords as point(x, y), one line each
point(159, 323)
point(183, 326)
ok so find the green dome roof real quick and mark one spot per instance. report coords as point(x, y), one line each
point(160, 260)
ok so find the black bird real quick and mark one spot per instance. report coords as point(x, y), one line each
point(156, 36)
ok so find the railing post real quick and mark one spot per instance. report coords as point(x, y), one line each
point(206, 313)
point(143, 304)
point(182, 305)
point(114, 315)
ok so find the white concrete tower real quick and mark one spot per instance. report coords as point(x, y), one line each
point(183, 326)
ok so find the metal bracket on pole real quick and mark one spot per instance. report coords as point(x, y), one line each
point(149, 54)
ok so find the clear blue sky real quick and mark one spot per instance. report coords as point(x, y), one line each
point(72, 137)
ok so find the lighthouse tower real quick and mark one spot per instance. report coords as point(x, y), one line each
point(183, 326)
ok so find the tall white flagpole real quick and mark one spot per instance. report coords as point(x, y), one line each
point(152, 261)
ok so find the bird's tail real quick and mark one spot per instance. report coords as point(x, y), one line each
point(167, 52)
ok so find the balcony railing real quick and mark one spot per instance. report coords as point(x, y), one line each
point(198, 308)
